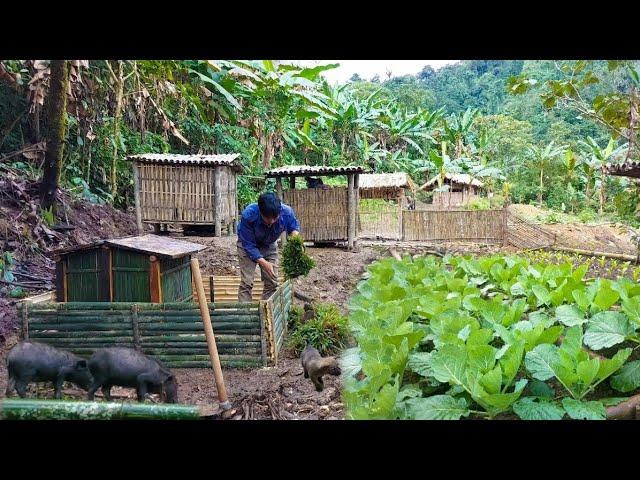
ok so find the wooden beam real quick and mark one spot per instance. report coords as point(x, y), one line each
point(351, 214)
point(217, 201)
point(60, 283)
point(104, 281)
point(136, 191)
point(283, 237)
point(292, 182)
point(154, 280)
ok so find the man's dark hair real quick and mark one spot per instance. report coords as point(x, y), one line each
point(269, 205)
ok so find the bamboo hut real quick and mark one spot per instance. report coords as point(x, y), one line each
point(326, 214)
point(186, 191)
point(386, 186)
point(463, 188)
point(147, 268)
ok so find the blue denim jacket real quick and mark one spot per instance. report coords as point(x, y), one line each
point(254, 234)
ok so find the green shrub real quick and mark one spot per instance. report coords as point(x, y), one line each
point(480, 204)
point(327, 331)
point(587, 215)
point(295, 315)
point(295, 261)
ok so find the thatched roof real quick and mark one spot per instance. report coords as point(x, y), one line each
point(626, 169)
point(459, 178)
point(230, 160)
point(386, 180)
point(306, 170)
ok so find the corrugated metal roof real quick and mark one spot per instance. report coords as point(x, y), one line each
point(151, 244)
point(461, 178)
point(300, 170)
point(386, 180)
point(229, 159)
point(626, 169)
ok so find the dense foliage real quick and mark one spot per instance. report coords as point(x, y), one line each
point(327, 331)
point(494, 119)
point(446, 339)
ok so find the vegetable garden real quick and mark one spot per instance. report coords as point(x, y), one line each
point(490, 337)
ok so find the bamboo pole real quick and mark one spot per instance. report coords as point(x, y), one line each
point(211, 340)
point(136, 192)
point(283, 237)
point(217, 200)
point(351, 226)
point(29, 409)
point(622, 256)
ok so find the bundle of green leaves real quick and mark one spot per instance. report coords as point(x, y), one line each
point(295, 261)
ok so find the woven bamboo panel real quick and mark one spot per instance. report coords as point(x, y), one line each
point(524, 234)
point(452, 199)
point(226, 288)
point(323, 214)
point(487, 226)
point(377, 220)
point(185, 193)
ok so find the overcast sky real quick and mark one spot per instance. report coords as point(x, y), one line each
point(369, 68)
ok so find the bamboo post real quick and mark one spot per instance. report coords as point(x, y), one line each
point(211, 340)
point(155, 280)
point(356, 195)
point(283, 237)
point(401, 199)
point(351, 215)
point(217, 201)
point(136, 191)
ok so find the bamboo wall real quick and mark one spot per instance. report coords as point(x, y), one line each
point(247, 334)
point(379, 220)
point(486, 226)
point(323, 214)
point(453, 199)
point(184, 194)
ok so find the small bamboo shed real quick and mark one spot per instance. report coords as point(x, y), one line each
point(146, 268)
point(386, 186)
point(185, 190)
point(325, 214)
point(462, 189)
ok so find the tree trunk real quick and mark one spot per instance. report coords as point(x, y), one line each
point(268, 151)
point(541, 187)
point(56, 132)
point(119, 80)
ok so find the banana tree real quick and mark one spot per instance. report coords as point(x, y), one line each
point(457, 129)
point(600, 157)
point(399, 129)
point(540, 159)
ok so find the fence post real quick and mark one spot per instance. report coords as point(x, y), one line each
point(505, 228)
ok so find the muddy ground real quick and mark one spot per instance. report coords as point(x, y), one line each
point(278, 392)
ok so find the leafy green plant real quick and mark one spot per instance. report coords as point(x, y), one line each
point(6, 265)
point(327, 331)
point(295, 261)
point(47, 216)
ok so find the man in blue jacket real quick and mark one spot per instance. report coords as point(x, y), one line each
point(260, 226)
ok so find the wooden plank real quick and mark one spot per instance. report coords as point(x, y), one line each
point(351, 213)
point(217, 201)
point(154, 280)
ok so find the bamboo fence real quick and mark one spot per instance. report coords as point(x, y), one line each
point(524, 234)
point(485, 226)
point(247, 334)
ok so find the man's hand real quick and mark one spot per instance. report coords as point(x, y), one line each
point(294, 233)
point(267, 267)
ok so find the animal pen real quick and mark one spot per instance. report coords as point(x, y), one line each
point(327, 214)
point(186, 191)
point(137, 292)
point(382, 201)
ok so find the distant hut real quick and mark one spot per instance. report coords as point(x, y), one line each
point(387, 186)
point(463, 188)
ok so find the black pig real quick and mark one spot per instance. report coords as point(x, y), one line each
point(126, 367)
point(36, 362)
